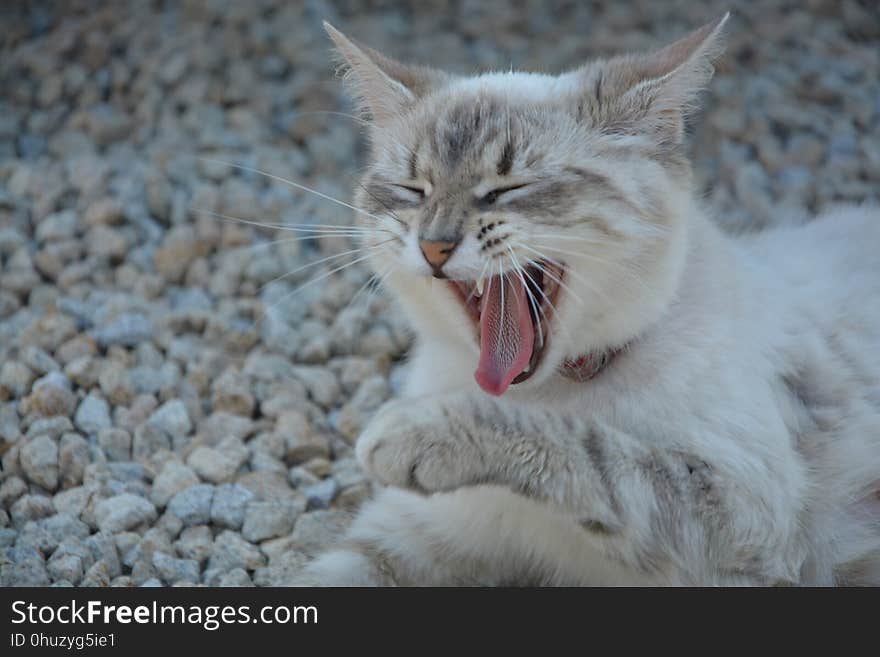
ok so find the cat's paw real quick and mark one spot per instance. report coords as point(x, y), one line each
point(409, 444)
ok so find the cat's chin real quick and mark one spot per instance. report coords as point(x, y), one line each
point(532, 300)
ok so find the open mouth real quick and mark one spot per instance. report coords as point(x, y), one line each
point(512, 313)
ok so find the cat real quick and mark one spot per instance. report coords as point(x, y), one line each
point(605, 388)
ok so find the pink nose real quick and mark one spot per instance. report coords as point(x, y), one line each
point(437, 253)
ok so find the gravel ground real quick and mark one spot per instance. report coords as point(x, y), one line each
point(168, 418)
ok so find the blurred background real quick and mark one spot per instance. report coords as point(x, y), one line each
point(178, 401)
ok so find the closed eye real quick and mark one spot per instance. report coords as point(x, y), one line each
point(409, 193)
point(492, 196)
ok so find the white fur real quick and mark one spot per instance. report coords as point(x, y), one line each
point(706, 380)
point(759, 355)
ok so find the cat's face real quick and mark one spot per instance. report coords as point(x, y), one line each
point(529, 219)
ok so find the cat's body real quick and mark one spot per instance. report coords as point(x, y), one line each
point(733, 437)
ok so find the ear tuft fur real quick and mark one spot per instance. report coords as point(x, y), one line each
point(383, 87)
point(653, 93)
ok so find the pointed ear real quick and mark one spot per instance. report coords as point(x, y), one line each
point(654, 93)
point(382, 86)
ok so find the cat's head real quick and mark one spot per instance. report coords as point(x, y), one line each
point(553, 208)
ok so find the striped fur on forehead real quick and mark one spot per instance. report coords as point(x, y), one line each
point(466, 128)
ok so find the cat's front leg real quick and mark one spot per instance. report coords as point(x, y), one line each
point(423, 444)
point(664, 508)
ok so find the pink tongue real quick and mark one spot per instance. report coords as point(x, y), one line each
point(506, 334)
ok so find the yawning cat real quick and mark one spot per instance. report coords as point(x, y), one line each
point(605, 388)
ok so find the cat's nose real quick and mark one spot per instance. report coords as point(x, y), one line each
point(436, 254)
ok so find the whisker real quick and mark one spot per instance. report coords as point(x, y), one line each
point(570, 272)
point(559, 282)
point(296, 185)
point(322, 260)
point(356, 119)
point(538, 312)
point(333, 113)
point(571, 253)
point(313, 281)
point(618, 269)
point(301, 228)
point(482, 274)
point(263, 245)
point(558, 264)
point(376, 280)
point(561, 327)
point(549, 259)
point(503, 310)
point(567, 238)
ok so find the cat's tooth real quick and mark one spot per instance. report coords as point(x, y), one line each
point(480, 285)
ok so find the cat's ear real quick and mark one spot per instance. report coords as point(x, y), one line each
point(653, 93)
point(383, 86)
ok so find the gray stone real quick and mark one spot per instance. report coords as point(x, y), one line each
point(73, 457)
point(154, 540)
point(172, 479)
point(24, 568)
point(16, 377)
point(30, 507)
point(58, 226)
point(73, 500)
point(229, 505)
point(218, 426)
point(232, 551)
point(123, 512)
point(116, 383)
point(54, 427)
point(270, 519)
point(231, 394)
point(7, 537)
point(50, 395)
point(213, 465)
point(126, 542)
point(39, 460)
point(68, 567)
point(98, 575)
point(93, 414)
point(321, 495)
point(39, 361)
point(303, 441)
point(283, 570)
point(104, 211)
point(170, 524)
point(318, 530)
point(173, 418)
point(193, 505)
point(237, 577)
point(320, 383)
point(175, 570)
point(195, 543)
point(127, 471)
point(47, 533)
point(9, 422)
point(115, 443)
point(127, 330)
point(149, 439)
point(301, 477)
point(11, 489)
point(107, 123)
